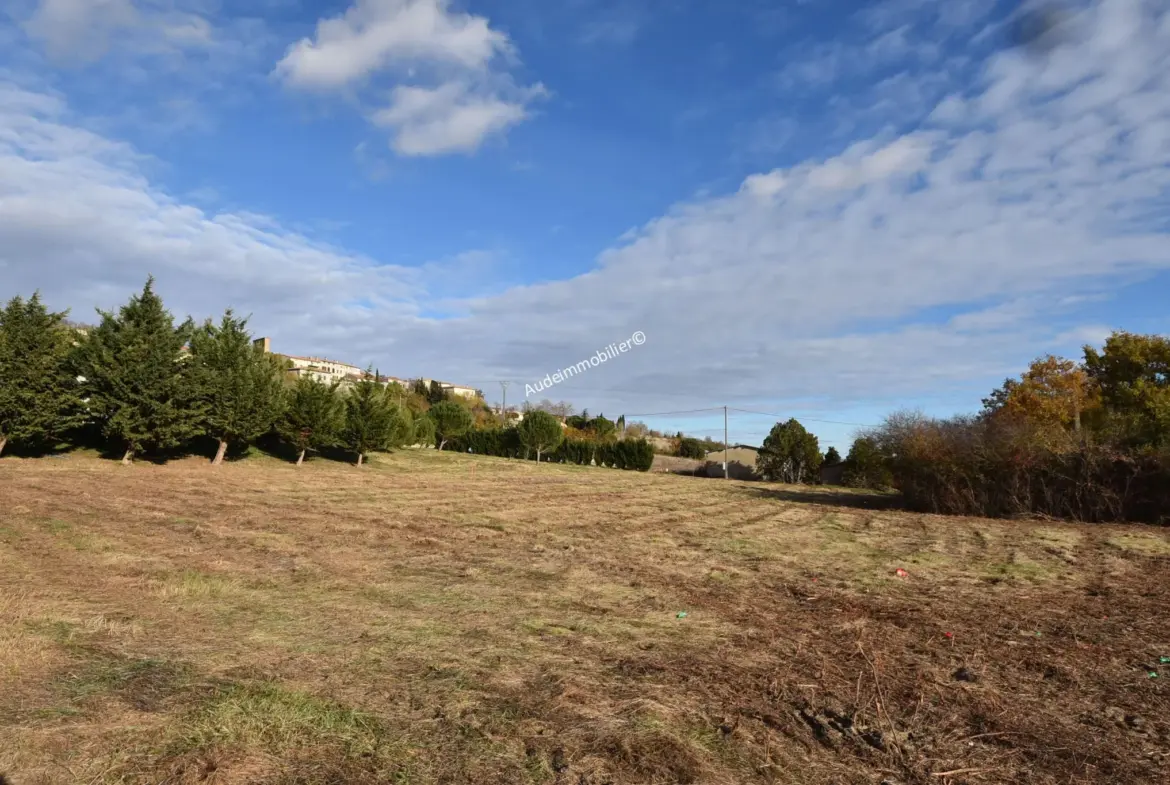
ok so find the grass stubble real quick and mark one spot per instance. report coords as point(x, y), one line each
point(437, 618)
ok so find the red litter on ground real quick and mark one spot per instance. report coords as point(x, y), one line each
point(901, 573)
point(949, 634)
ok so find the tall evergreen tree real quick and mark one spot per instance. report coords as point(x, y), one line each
point(436, 393)
point(138, 382)
point(39, 395)
point(313, 416)
point(371, 419)
point(240, 386)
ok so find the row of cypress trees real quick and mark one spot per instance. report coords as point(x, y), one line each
point(147, 384)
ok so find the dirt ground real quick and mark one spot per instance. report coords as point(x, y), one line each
point(437, 618)
point(672, 463)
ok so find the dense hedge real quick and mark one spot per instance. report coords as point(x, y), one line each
point(968, 466)
point(631, 454)
point(500, 442)
point(1089, 485)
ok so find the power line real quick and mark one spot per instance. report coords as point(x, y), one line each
point(671, 414)
point(568, 388)
point(809, 419)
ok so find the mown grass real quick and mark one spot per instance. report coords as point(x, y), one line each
point(276, 720)
point(448, 618)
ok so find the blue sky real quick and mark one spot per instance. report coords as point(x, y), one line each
point(820, 209)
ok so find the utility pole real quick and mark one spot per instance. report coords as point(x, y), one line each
point(504, 406)
point(726, 475)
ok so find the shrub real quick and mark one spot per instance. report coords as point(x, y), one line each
point(630, 454)
point(689, 447)
point(790, 454)
point(866, 466)
point(1003, 467)
point(451, 421)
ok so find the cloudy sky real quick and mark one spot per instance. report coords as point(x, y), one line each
point(819, 208)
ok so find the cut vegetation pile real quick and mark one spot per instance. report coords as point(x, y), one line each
point(440, 618)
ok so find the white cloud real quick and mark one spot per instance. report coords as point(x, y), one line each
point(79, 220)
point(858, 167)
point(375, 34)
point(80, 29)
point(449, 94)
point(84, 30)
point(908, 266)
point(153, 66)
point(765, 185)
point(448, 118)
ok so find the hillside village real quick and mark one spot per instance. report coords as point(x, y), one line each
point(326, 370)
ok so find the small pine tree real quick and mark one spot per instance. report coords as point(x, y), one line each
point(542, 432)
point(39, 396)
point(239, 384)
point(832, 457)
point(313, 416)
point(137, 380)
point(689, 447)
point(371, 419)
point(451, 420)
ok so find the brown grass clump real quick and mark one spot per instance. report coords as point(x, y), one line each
point(441, 618)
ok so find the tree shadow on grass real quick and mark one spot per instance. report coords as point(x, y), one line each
point(38, 450)
point(273, 446)
point(860, 500)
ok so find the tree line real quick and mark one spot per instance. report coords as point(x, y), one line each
point(1084, 439)
point(581, 440)
point(144, 384)
point(140, 383)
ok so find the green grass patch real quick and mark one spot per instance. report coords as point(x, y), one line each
point(58, 527)
point(1147, 544)
point(197, 585)
point(276, 720)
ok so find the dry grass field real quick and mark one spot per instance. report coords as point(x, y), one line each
point(438, 618)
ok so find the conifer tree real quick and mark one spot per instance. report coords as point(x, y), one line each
point(39, 395)
point(403, 427)
point(313, 416)
point(542, 432)
point(424, 431)
point(371, 418)
point(240, 386)
point(451, 420)
point(789, 454)
point(138, 381)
